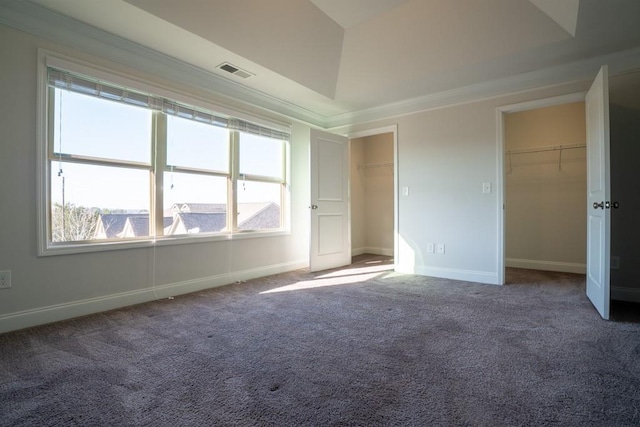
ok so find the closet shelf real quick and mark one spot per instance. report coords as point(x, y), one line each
point(547, 148)
point(559, 148)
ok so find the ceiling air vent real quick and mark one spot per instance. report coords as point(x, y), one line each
point(229, 68)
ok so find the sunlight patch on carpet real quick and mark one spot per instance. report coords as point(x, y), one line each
point(354, 271)
point(336, 278)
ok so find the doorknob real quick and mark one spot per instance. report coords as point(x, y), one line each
point(314, 206)
point(606, 205)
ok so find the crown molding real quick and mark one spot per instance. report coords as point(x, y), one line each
point(573, 72)
point(50, 25)
point(42, 22)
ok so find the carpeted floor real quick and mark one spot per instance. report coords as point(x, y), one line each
point(361, 346)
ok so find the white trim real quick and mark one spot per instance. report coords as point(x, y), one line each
point(184, 239)
point(500, 199)
point(532, 264)
point(545, 102)
point(42, 160)
point(371, 132)
point(358, 251)
point(47, 58)
point(42, 22)
point(620, 293)
point(379, 251)
point(37, 20)
point(500, 151)
point(372, 250)
point(580, 71)
point(53, 313)
point(486, 277)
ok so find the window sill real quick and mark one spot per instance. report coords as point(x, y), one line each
point(79, 248)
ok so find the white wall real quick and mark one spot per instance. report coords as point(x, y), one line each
point(444, 156)
point(546, 219)
point(55, 287)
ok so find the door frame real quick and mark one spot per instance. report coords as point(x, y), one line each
point(393, 129)
point(500, 207)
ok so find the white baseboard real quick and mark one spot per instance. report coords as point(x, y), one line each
point(54, 313)
point(372, 250)
point(358, 251)
point(486, 277)
point(625, 294)
point(564, 267)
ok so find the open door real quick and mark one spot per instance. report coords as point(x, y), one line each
point(598, 192)
point(330, 233)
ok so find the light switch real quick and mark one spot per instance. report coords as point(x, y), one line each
point(440, 248)
point(486, 187)
point(405, 191)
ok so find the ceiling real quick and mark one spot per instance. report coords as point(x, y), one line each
point(337, 59)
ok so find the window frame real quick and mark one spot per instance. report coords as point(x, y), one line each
point(157, 165)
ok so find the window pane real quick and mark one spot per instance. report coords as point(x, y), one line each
point(258, 205)
point(98, 202)
point(197, 145)
point(260, 155)
point(89, 126)
point(194, 203)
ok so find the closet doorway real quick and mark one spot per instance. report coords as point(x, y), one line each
point(545, 181)
point(373, 192)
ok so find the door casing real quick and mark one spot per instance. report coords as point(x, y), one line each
point(500, 161)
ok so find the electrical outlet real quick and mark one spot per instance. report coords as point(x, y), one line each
point(5, 279)
point(430, 248)
point(440, 248)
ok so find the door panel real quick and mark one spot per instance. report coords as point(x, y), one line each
point(598, 194)
point(330, 241)
point(330, 232)
point(330, 174)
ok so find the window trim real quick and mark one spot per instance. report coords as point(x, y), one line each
point(44, 149)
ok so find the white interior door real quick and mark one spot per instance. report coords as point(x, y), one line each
point(598, 192)
point(330, 232)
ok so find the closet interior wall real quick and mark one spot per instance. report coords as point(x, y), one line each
point(545, 188)
point(372, 194)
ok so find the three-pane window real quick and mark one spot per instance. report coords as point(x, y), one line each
point(124, 165)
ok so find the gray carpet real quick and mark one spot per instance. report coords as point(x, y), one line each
point(391, 350)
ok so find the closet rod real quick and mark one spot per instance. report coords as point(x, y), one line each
point(547, 148)
point(375, 165)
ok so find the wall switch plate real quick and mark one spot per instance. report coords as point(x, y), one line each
point(405, 191)
point(5, 279)
point(486, 187)
point(430, 248)
point(440, 249)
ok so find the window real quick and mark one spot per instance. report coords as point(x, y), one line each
point(261, 172)
point(126, 166)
